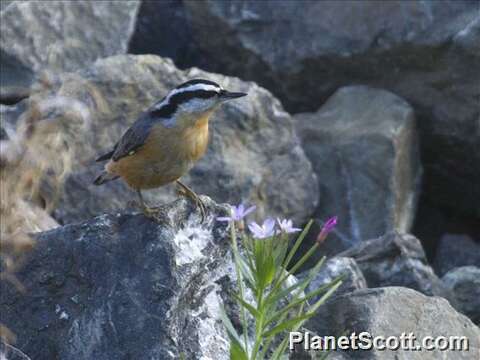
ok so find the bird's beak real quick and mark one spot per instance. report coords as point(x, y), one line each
point(227, 95)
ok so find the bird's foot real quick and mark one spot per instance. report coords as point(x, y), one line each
point(185, 191)
point(151, 212)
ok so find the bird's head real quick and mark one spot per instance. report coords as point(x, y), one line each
point(192, 99)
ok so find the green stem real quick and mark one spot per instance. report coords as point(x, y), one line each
point(259, 324)
point(240, 283)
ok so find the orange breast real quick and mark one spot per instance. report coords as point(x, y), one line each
point(196, 139)
point(166, 156)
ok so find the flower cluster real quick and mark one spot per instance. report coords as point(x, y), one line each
point(268, 228)
point(264, 267)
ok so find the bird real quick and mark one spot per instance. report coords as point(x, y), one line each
point(166, 140)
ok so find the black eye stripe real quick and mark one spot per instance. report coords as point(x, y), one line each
point(177, 99)
point(185, 96)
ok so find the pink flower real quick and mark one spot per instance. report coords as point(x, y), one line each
point(326, 229)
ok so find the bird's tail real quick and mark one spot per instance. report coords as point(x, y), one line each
point(105, 177)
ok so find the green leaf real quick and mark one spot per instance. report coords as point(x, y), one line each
point(246, 271)
point(275, 295)
point(236, 351)
point(325, 297)
point(287, 325)
point(279, 350)
point(269, 267)
point(247, 306)
point(304, 299)
point(232, 333)
point(304, 258)
point(297, 244)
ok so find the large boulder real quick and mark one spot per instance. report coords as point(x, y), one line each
point(397, 260)
point(164, 28)
point(123, 286)
point(392, 311)
point(426, 52)
point(363, 147)
point(455, 250)
point(254, 154)
point(464, 282)
point(59, 36)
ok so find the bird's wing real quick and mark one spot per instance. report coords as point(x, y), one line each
point(107, 155)
point(133, 138)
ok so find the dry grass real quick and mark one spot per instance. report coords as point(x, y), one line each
point(34, 163)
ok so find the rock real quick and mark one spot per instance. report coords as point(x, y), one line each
point(331, 269)
point(455, 250)
point(9, 116)
point(8, 119)
point(426, 52)
point(363, 148)
point(59, 36)
point(163, 28)
point(254, 154)
point(123, 286)
point(464, 282)
point(392, 311)
point(10, 352)
point(397, 260)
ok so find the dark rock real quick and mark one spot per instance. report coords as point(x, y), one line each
point(163, 28)
point(454, 250)
point(122, 286)
point(254, 154)
point(426, 52)
point(464, 282)
point(397, 260)
point(392, 311)
point(331, 269)
point(58, 36)
point(16, 79)
point(9, 116)
point(363, 147)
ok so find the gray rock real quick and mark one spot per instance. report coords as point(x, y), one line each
point(363, 147)
point(397, 260)
point(8, 118)
point(331, 269)
point(59, 36)
point(455, 250)
point(392, 311)
point(425, 51)
point(9, 115)
point(254, 154)
point(464, 282)
point(123, 286)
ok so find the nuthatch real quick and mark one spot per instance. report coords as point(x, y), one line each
point(166, 140)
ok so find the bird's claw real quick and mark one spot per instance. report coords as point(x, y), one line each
point(150, 212)
point(186, 192)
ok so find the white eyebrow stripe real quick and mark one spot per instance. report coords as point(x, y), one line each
point(206, 87)
point(194, 87)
